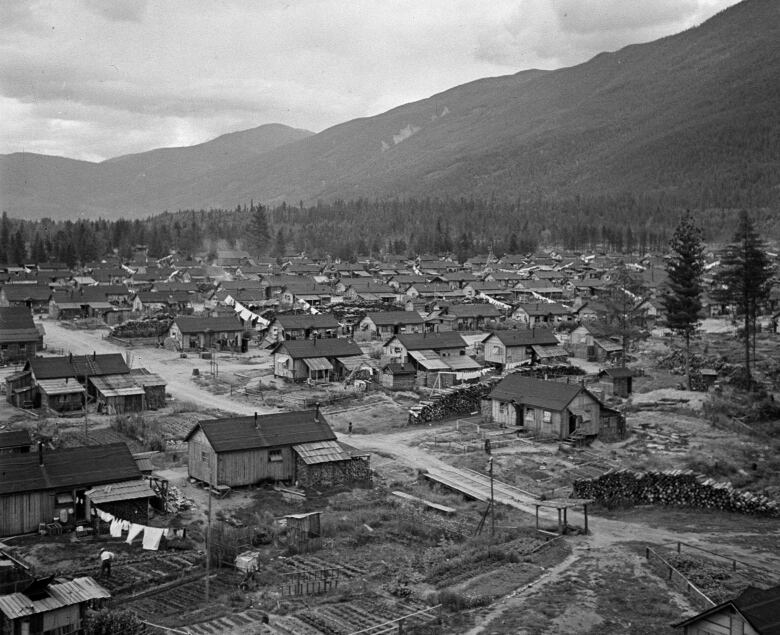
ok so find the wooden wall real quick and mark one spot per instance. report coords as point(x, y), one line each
point(198, 467)
point(21, 513)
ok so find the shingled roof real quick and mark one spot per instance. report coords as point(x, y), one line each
point(16, 325)
point(393, 318)
point(526, 337)
point(431, 341)
point(272, 430)
point(214, 324)
point(551, 395)
point(77, 366)
point(307, 320)
point(67, 468)
point(321, 347)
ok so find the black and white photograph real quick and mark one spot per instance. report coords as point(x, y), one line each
point(322, 317)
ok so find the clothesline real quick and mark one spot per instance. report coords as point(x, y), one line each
point(151, 535)
point(246, 315)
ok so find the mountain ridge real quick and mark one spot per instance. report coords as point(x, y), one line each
point(695, 115)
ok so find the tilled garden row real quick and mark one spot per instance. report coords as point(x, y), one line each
point(363, 613)
point(131, 575)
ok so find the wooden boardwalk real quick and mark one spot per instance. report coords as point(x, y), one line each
point(477, 486)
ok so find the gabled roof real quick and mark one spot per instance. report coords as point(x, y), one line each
point(760, 607)
point(429, 341)
point(551, 395)
point(472, 310)
point(392, 318)
point(24, 292)
point(321, 347)
point(525, 337)
point(67, 468)
point(16, 318)
point(77, 366)
point(272, 430)
point(77, 591)
point(543, 308)
point(304, 321)
point(189, 324)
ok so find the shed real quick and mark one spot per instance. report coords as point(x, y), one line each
point(19, 337)
point(620, 379)
point(154, 387)
point(48, 607)
point(128, 500)
point(118, 394)
point(398, 376)
point(61, 395)
point(303, 532)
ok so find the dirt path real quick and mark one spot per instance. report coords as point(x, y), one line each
point(397, 445)
point(177, 371)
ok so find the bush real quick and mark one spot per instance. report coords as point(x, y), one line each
point(117, 622)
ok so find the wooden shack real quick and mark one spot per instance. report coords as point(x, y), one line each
point(304, 534)
point(154, 388)
point(275, 447)
point(61, 395)
point(397, 376)
point(44, 486)
point(45, 606)
point(117, 394)
point(128, 500)
point(619, 380)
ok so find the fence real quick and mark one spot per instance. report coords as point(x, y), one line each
point(677, 579)
point(758, 574)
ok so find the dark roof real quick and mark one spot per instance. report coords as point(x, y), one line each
point(322, 347)
point(472, 310)
point(14, 438)
point(526, 337)
point(16, 317)
point(391, 318)
point(285, 428)
point(395, 368)
point(551, 395)
point(760, 607)
point(24, 292)
point(305, 321)
point(543, 308)
point(78, 366)
point(433, 341)
point(213, 324)
point(67, 468)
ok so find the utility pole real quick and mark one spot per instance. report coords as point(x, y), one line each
point(86, 402)
point(492, 501)
point(208, 534)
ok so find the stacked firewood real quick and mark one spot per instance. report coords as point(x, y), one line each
point(453, 402)
point(672, 487)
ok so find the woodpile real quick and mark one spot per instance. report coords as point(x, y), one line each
point(453, 402)
point(672, 487)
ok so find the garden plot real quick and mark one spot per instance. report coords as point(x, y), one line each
point(371, 615)
point(185, 603)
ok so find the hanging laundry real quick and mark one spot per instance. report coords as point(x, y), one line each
point(125, 525)
point(152, 536)
point(105, 516)
point(170, 533)
point(229, 300)
point(134, 532)
point(116, 528)
point(246, 314)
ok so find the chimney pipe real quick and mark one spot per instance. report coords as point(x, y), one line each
point(40, 453)
point(317, 412)
point(94, 355)
point(70, 358)
point(255, 419)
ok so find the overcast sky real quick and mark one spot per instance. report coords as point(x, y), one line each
point(92, 79)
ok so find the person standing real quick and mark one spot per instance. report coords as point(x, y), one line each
point(105, 562)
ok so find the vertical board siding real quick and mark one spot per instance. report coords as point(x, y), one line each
point(21, 513)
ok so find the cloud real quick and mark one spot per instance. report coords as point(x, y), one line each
point(118, 10)
point(97, 78)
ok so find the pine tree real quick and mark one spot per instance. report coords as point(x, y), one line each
point(623, 298)
point(682, 300)
point(18, 248)
point(744, 279)
point(5, 239)
point(258, 233)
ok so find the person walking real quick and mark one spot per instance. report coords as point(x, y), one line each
point(105, 563)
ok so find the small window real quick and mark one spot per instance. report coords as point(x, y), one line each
point(275, 456)
point(204, 456)
point(546, 416)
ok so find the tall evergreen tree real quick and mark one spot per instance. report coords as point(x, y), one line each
point(18, 248)
point(623, 298)
point(5, 238)
point(744, 279)
point(258, 232)
point(682, 300)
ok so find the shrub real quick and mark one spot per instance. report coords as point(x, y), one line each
point(116, 622)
